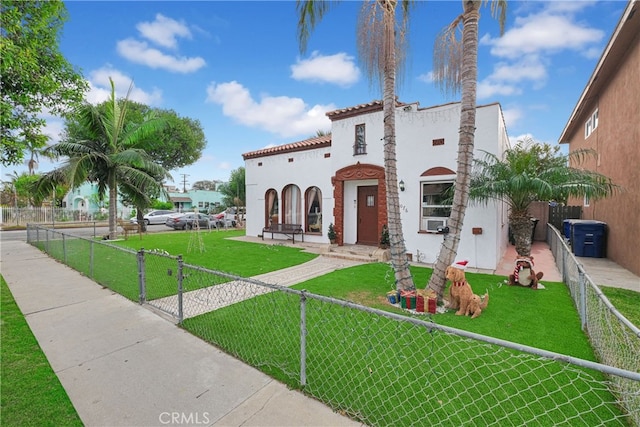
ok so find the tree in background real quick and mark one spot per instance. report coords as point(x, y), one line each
point(178, 144)
point(233, 192)
point(205, 185)
point(112, 152)
point(455, 68)
point(35, 76)
point(531, 172)
point(381, 42)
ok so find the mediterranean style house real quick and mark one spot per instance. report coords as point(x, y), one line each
point(606, 119)
point(339, 179)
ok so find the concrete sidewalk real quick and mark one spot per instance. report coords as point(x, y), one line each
point(123, 365)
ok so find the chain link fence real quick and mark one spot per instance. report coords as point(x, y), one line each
point(381, 368)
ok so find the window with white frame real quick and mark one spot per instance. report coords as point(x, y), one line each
point(591, 124)
point(436, 205)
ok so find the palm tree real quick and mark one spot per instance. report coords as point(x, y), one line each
point(380, 38)
point(36, 145)
point(113, 154)
point(532, 172)
point(455, 68)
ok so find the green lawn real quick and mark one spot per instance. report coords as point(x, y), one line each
point(354, 356)
point(31, 393)
point(386, 372)
point(625, 301)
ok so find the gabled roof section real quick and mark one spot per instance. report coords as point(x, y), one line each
point(369, 107)
point(307, 144)
point(621, 40)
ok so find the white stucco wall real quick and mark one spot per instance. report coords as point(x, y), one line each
point(415, 131)
point(308, 168)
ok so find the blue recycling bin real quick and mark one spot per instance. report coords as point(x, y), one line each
point(588, 238)
point(566, 228)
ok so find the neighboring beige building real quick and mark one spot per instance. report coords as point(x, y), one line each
point(606, 119)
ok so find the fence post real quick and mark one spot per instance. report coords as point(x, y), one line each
point(180, 288)
point(582, 286)
point(142, 283)
point(64, 249)
point(91, 243)
point(303, 338)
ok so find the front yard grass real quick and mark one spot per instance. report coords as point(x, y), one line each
point(31, 393)
point(385, 372)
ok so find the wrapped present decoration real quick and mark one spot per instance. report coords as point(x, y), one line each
point(429, 302)
point(431, 305)
point(393, 297)
point(408, 299)
point(420, 304)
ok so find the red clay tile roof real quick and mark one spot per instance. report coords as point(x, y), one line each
point(307, 144)
point(359, 109)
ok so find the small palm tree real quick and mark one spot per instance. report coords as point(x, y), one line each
point(532, 172)
point(114, 153)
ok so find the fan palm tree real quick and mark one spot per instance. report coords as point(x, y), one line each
point(532, 172)
point(455, 68)
point(113, 154)
point(380, 48)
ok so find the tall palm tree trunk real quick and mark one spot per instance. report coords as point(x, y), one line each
point(449, 247)
point(397, 245)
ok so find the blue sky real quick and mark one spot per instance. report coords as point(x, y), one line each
point(236, 66)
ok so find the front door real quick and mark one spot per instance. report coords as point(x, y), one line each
point(368, 215)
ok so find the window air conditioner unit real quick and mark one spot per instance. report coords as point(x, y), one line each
point(436, 225)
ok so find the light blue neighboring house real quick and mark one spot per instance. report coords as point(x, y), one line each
point(202, 200)
point(85, 199)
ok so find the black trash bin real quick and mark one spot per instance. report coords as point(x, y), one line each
point(588, 238)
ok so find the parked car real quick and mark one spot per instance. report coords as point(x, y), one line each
point(157, 217)
point(188, 221)
point(223, 220)
point(228, 218)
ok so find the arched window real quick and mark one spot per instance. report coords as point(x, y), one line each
point(291, 204)
point(271, 209)
point(313, 200)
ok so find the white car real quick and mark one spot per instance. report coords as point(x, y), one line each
point(157, 217)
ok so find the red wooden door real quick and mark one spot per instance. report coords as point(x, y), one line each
point(367, 215)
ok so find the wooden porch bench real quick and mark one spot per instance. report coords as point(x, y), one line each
point(289, 230)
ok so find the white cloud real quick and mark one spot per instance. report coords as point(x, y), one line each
point(281, 115)
point(526, 50)
point(543, 33)
point(163, 31)
point(511, 117)
point(338, 69)
point(526, 69)
point(140, 53)
point(426, 77)
point(487, 89)
point(100, 88)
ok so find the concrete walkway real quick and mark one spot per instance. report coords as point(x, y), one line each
point(123, 365)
